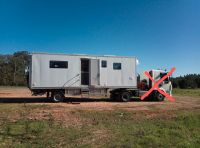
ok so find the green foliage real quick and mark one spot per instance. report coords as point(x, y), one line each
point(187, 81)
point(12, 69)
point(187, 92)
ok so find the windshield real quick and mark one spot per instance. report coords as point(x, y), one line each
point(162, 75)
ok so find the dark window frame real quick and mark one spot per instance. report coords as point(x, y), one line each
point(104, 64)
point(165, 80)
point(60, 64)
point(117, 66)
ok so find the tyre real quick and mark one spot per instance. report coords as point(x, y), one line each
point(125, 96)
point(58, 97)
point(159, 97)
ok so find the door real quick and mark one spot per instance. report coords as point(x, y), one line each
point(94, 72)
point(85, 68)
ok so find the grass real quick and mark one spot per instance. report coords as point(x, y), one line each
point(181, 131)
point(12, 87)
point(117, 128)
point(187, 92)
point(39, 134)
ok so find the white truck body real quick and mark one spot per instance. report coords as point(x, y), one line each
point(64, 71)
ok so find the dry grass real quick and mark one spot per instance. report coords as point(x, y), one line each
point(100, 123)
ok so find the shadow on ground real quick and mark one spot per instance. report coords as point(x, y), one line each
point(66, 100)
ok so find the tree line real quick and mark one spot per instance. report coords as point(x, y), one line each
point(12, 69)
point(187, 81)
point(12, 72)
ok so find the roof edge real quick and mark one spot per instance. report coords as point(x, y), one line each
point(46, 53)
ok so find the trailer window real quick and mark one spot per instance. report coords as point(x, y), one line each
point(117, 66)
point(58, 64)
point(104, 64)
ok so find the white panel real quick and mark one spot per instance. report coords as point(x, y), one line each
point(103, 74)
point(94, 72)
point(55, 77)
point(124, 77)
point(114, 76)
point(128, 72)
point(43, 76)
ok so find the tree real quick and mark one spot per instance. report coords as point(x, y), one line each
point(187, 81)
point(12, 68)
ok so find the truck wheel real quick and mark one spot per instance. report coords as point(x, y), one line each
point(58, 97)
point(160, 97)
point(125, 96)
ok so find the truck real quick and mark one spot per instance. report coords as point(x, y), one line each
point(57, 75)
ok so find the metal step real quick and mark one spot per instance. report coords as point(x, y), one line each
point(85, 90)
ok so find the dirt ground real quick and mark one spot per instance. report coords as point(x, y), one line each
point(70, 111)
point(98, 119)
point(20, 95)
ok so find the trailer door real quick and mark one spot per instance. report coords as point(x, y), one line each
point(94, 72)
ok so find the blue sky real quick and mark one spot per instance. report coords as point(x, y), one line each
point(160, 33)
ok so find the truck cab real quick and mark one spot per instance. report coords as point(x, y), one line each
point(145, 84)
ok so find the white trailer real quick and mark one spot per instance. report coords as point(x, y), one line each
point(61, 72)
point(58, 74)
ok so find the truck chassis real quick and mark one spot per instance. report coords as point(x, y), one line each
point(119, 94)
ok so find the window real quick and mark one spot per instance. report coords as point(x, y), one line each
point(104, 64)
point(162, 75)
point(58, 64)
point(117, 66)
